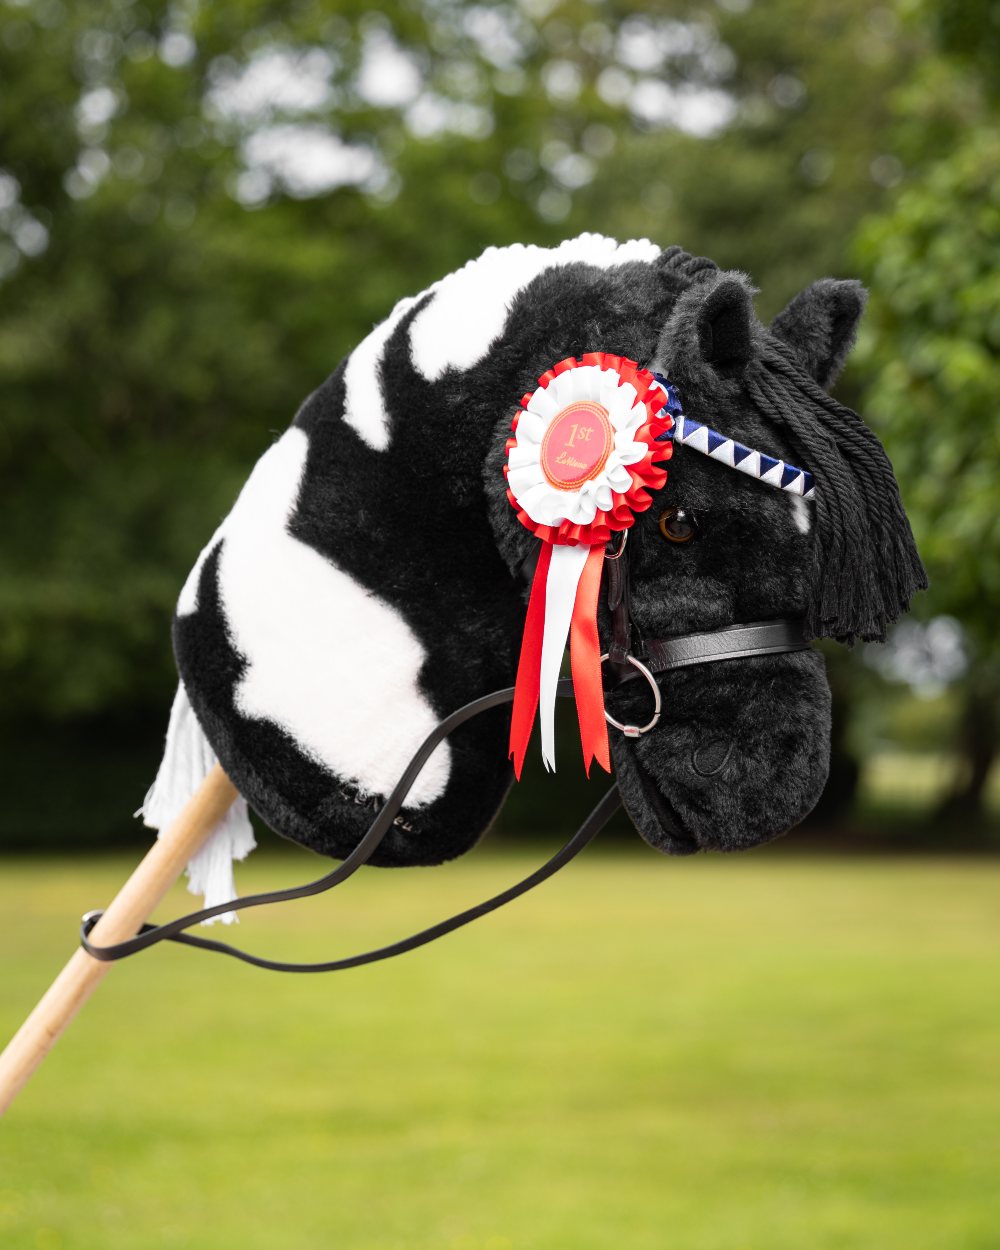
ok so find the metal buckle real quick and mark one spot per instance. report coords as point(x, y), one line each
point(636, 731)
point(621, 549)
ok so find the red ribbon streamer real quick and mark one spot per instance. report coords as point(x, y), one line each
point(585, 664)
point(528, 666)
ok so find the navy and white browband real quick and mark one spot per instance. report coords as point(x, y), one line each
point(709, 442)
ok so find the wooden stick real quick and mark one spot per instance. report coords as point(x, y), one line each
point(123, 918)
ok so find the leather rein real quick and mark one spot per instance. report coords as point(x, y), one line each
point(628, 658)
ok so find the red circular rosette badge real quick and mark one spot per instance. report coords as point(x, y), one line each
point(581, 464)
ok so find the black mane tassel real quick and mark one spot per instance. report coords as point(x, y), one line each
point(867, 565)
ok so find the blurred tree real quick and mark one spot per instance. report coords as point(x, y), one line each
point(203, 206)
point(931, 348)
point(807, 148)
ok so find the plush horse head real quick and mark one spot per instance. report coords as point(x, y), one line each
point(370, 577)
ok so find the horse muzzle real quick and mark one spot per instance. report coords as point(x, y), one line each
point(739, 754)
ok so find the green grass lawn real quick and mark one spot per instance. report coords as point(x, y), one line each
point(762, 1053)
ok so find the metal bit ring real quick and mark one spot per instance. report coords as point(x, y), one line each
point(636, 731)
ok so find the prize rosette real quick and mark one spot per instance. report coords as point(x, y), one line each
point(585, 454)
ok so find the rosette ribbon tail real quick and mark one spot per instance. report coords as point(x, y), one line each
point(562, 607)
point(585, 456)
point(529, 664)
point(565, 571)
point(585, 662)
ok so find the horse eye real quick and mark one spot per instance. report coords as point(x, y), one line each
point(678, 525)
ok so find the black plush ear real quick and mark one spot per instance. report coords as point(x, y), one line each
point(724, 321)
point(820, 324)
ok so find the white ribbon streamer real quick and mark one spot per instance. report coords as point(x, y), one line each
point(565, 571)
point(187, 760)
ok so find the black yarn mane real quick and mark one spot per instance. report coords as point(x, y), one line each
point(680, 269)
point(867, 567)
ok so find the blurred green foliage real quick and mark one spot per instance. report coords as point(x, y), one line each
point(778, 192)
point(931, 348)
point(932, 342)
point(173, 283)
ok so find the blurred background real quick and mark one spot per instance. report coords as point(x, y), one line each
point(203, 206)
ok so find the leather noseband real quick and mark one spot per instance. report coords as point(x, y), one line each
point(660, 655)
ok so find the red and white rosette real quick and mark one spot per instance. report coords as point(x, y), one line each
point(582, 460)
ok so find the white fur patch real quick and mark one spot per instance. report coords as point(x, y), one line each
point(187, 602)
point(364, 408)
point(326, 660)
point(468, 311)
point(801, 514)
point(470, 306)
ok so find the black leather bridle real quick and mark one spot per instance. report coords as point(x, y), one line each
point(628, 657)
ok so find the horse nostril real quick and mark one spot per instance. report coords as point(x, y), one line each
point(712, 757)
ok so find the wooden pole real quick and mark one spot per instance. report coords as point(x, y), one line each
point(123, 918)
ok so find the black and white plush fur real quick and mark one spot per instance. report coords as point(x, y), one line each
point(367, 581)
